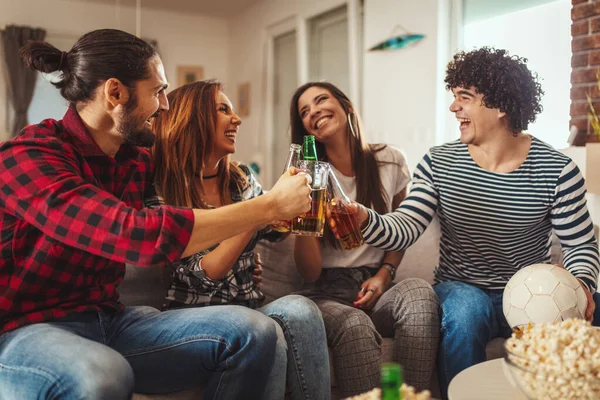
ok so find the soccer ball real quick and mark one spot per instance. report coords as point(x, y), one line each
point(542, 293)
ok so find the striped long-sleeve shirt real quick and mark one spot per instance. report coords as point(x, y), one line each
point(493, 224)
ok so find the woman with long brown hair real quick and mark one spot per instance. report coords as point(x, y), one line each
point(352, 288)
point(194, 141)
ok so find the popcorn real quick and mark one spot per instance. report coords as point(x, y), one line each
point(560, 360)
point(407, 393)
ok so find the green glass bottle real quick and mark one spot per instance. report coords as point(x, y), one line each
point(391, 380)
point(309, 148)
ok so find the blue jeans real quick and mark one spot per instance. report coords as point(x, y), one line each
point(98, 355)
point(471, 317)
point(303, 359)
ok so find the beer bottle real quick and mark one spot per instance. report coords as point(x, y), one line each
point(344, 219)
point(293, 157)
point(391, 380)
point(292, 161)
point(309, 149)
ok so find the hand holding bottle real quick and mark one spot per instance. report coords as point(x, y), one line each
point(355, 208)
point(291, 194)
point(285, 226)
point(342, 217)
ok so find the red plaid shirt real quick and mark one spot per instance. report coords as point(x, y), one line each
point(70, 218)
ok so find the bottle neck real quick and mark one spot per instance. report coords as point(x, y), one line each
point(309, 148)
point(293, 158)
point(337, 189)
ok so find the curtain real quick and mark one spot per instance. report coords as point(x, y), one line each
point(21, 80)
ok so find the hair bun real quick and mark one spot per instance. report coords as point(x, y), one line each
point(43, 57)
point(63, 60)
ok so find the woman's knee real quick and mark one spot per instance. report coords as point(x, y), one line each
point(293, 306)
point(355, 326)
point(415, 293)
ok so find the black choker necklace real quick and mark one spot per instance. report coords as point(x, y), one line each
point(210, 176)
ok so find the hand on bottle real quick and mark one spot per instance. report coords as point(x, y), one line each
point(356, 208)
point(361, 214)
point(291, 194)
point(371, 291)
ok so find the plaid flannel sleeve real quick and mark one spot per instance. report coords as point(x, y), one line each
point(43, 185)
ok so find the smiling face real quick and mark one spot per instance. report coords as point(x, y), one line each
point(321, 113)
point(226, 127)
point(475, 119)
point(147, 100)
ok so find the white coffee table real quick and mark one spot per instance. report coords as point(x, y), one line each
point(483, 381)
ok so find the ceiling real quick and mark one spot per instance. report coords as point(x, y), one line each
point(215, 8)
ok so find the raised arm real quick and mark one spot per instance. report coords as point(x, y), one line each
point(42, 185)
point(573, 226)
point(218, 262)
point(402, 227)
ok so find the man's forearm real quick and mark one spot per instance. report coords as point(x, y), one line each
point(214, 226)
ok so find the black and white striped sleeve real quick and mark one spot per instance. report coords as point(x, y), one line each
point(402, 227)
point(573, 226)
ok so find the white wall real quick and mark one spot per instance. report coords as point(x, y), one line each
point(547, 47)
point(399, 88)
point(183, 39)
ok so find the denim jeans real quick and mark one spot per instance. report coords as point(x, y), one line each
point(98, 355)
point(471, 317)
point(303, 359)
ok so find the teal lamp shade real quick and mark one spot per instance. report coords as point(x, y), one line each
point(398, 42)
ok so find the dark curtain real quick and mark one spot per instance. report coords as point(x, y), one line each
point(21, 80)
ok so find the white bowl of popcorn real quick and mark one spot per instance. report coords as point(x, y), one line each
point(559, 360)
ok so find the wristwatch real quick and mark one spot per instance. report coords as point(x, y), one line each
point(390, 268)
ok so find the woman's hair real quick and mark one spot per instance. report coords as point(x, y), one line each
point(96, 57)
point(369, 188)
point(504, 81)
point(184, 142)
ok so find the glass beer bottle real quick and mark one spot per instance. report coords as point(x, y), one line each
point(312, 223)
point(309, 149)
point(391, 380)
point(343, 216)
point(292, 161)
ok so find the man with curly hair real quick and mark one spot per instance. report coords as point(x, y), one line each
point(499, 193)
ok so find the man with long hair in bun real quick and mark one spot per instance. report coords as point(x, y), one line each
point(72, 215)
point(499, 192)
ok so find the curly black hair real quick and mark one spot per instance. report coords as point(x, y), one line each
point(504, 81)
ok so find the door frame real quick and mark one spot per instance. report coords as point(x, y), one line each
point(299, 23)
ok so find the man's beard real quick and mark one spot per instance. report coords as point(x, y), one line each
point(130, 130)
